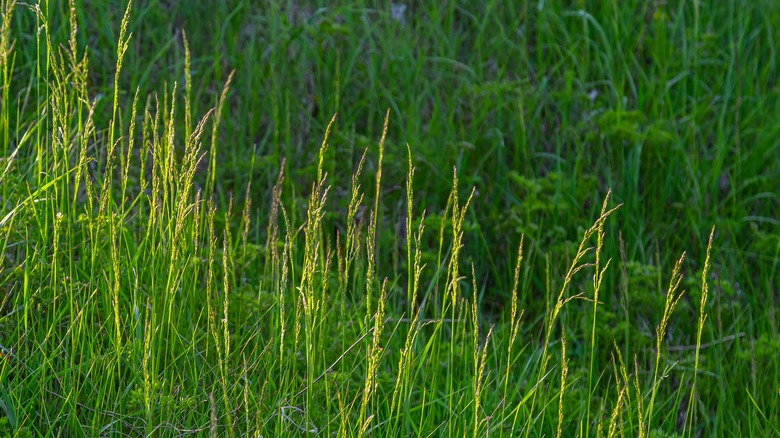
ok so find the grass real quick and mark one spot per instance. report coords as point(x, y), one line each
point(506, 230)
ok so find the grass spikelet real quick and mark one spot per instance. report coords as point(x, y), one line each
point(374, 355)
point(598, 276)
point(214, 133)
point(514, 318)
point(379, 169)
point(324, 148)
point(408, 228)
point(187, 85)
point(6, 46)
point(672, 297)
point(640, 409)
point(481, 374)
point(618, 408)
point(574, 267)
point(122, 45)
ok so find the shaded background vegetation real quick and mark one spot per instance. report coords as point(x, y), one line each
point(542, 106)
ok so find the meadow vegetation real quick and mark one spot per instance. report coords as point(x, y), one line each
point(485, 218)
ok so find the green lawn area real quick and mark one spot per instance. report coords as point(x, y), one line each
point(503, 218)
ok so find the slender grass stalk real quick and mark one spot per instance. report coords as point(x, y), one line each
point(597, 278)
point(212, 174)
point(699, 328)
point(514, 321)
point(378, 190)
point(617, 410)
point(6, 66)
point(672, 298)
point(453, 287)
point(135, 302)
point(406, 358)
point(226, 269)
point(564, 374)
point(374, 356)
point(552, 316)
point(640, 409)
point(122, 45)
point(480, 357)
point(187, 85)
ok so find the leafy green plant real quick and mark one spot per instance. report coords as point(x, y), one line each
point(192, 243)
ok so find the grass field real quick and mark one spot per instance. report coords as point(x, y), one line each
point(486, 218)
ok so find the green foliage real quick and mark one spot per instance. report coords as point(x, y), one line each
point(181, 253)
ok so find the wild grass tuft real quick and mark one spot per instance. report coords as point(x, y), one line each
point(193, 243)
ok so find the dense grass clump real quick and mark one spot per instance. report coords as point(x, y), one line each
point(192, 243)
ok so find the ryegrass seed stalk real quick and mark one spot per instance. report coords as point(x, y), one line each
point(373, 356)
point(699, 328)
point(672, 298)
point(210, 187)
